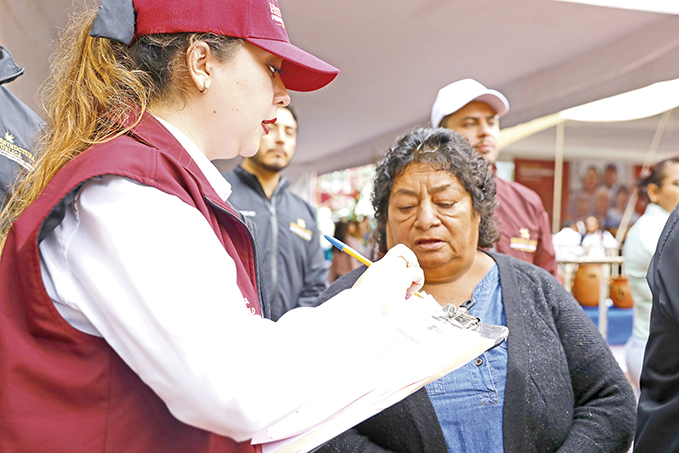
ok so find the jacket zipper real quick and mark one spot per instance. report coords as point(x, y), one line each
point(262, 303)
point(274, 245)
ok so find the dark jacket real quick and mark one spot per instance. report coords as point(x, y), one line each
point(294, 267)
point(658, 416)
point(64, 390)
point(18, 127)
point(565, 391)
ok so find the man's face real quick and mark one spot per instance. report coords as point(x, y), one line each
point(478, 123)
point(278, 146)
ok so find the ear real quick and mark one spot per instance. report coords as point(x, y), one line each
point(199, 61)
point(652, 190)
point(476, 216)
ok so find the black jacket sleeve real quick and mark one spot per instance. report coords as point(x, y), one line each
point(315, 273)
point(658, 411)
point(604, 412)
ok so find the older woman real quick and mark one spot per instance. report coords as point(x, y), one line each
point(553, 386)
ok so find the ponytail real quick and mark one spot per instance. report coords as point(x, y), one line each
point(95, 85)
point(92, 85)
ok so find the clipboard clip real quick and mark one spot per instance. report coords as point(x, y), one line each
point(458, 316)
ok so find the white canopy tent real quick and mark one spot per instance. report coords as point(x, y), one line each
point(660, 97)
point(544, 55)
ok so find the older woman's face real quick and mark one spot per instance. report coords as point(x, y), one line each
point(431, 212)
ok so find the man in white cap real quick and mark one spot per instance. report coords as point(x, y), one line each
point(473, 111)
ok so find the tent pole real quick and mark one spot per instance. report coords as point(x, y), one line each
point(650, 156)
point(558, 178)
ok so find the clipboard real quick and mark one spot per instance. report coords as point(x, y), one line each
point(461, 318)
point(420, 346)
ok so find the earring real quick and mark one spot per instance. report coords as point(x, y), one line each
point(205, 88)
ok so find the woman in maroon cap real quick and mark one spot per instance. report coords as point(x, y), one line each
point(131, 316)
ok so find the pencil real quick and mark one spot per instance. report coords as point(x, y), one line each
point(348, 250)
point(342, 247)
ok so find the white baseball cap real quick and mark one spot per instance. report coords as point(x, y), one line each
point(453, 97)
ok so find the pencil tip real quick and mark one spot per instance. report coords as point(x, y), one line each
point(334, 242)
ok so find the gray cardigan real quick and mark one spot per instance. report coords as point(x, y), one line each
point(565, 391)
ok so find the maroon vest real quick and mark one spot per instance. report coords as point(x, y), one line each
point(62, 390)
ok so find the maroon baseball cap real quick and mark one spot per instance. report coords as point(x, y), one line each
point(259, 22)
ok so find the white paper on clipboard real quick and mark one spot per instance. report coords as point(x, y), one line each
point(418, 346)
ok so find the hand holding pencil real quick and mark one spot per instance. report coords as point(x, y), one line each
point(391, 272)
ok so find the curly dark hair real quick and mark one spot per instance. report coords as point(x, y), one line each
point(445, 150)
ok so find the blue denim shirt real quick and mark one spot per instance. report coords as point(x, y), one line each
point(469, 401)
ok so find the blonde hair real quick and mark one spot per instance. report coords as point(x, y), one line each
point(96, 87)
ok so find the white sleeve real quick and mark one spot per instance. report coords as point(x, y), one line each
point(150, 275)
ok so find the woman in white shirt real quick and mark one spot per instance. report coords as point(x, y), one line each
point(127, 282)
point(662, 188)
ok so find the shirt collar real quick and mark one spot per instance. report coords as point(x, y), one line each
point(656, 210)
point(212, 174)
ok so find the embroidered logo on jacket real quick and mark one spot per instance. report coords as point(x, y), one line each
point(300, 229)
point(524, 243)
point(13, 152)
